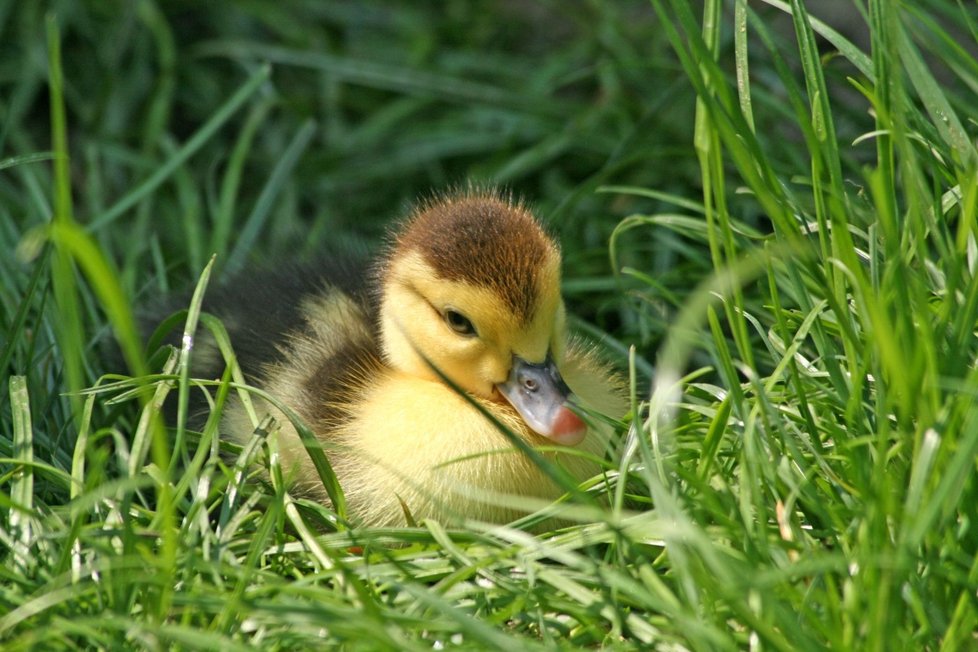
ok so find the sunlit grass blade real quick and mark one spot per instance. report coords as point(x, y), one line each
point(20, 515)
point(70, 331)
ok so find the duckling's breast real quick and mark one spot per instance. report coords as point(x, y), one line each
point(400, 442)
point(422, 444)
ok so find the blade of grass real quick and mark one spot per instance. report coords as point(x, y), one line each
point(183, 365)
point(70, 328)
point(22, 487)
point(201, 136)
point(276, 181)
point(25, 159)
point(380, 76)
point(224, 213)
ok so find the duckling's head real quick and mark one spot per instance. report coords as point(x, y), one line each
point(471, 287)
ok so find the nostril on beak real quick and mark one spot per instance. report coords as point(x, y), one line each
point(530, 384)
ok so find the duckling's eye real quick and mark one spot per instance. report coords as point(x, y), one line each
point(459, 322)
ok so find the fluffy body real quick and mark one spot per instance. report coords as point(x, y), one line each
point(356, 366)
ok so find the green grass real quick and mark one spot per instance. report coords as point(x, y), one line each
point(778, 221)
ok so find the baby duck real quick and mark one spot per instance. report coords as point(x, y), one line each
point(463, 312)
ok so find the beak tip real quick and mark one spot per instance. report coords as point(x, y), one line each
point(567, 429)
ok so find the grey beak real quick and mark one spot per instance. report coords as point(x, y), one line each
point(540, 395)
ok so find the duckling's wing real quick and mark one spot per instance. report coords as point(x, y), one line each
point(262, 310)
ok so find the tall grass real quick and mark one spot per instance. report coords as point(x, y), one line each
point(791, 227)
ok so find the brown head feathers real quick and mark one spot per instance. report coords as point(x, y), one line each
point(483, 238)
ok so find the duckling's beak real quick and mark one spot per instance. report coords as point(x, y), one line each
point(540, 395)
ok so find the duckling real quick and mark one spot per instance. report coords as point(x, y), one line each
point(396, 370)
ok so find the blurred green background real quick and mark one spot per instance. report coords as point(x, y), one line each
point(369, 106)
